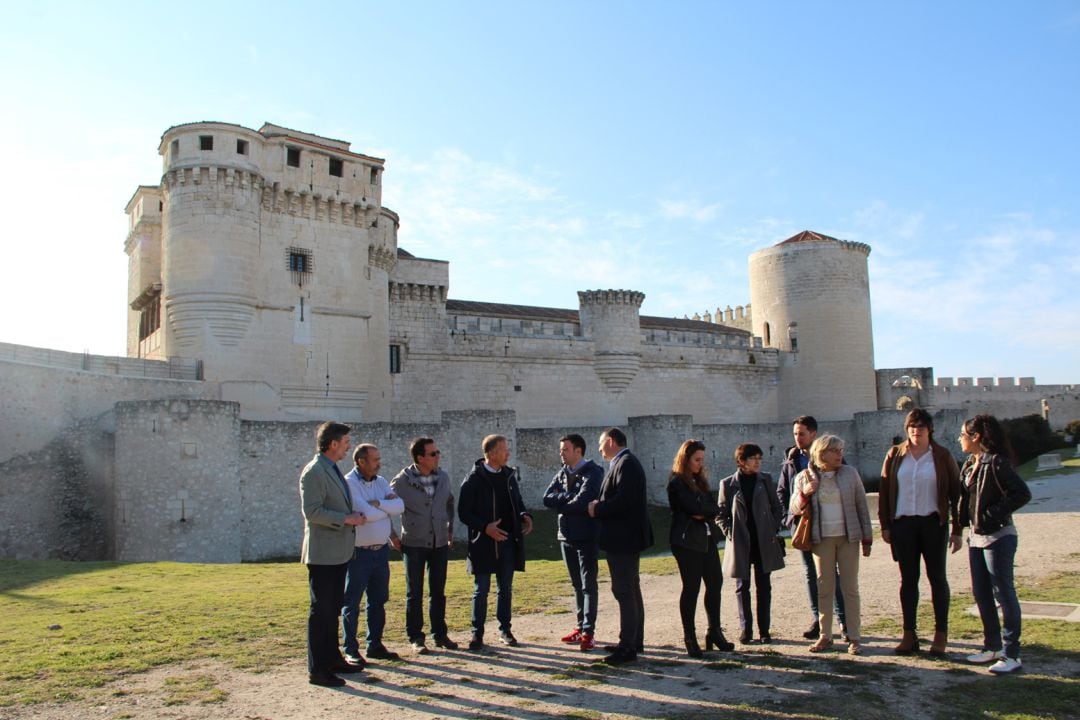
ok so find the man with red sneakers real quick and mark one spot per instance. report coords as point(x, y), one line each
point(572, 489)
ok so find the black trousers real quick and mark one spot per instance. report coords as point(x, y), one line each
point(695, 567)
point(326, 586)
point(924, 538)
point(625, 570)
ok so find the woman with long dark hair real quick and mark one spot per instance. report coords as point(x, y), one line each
point(918, 500)
point(992, 493)
point(694, 537)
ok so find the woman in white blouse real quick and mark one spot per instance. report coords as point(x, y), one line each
point(840, 523)
point(919, 498)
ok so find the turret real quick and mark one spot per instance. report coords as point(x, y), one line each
point(811, 299)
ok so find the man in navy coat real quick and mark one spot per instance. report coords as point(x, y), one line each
point(625, 531)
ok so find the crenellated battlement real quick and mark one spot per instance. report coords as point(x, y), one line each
point(611, 297)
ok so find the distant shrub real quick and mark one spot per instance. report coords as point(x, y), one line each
point(1030, 437)
point(1073, 428)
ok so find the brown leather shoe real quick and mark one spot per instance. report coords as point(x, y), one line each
point(909, 644)
point(941, 639)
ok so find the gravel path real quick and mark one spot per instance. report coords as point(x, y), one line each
point(543, 679)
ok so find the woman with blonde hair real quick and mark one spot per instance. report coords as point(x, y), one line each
point(840, 521)
point(694, 537)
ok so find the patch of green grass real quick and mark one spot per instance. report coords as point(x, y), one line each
point(114, 619)
point(1015, 696)
point(189, 689)
point(1069, 464)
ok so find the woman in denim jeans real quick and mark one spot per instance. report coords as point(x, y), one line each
point(992, 492)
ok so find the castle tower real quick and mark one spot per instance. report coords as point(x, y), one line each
point(611, 318)
point(811, 299)
point(275, 253)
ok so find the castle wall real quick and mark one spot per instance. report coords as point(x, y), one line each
point(177, 491)
point(45, 392)
point(56, 501)
point(552, 379)
point(1008, 398)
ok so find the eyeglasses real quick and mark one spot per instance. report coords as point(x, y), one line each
point(964, 434)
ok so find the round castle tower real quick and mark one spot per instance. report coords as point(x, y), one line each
point(210, 248)
point(275, 258)
point(811, 297)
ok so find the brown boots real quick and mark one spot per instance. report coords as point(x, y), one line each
point(937, 648)
point(908, 644)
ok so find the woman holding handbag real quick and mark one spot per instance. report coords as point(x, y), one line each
point(750, 516)
point(839, 522)
point(992, 493)
point(694, 537)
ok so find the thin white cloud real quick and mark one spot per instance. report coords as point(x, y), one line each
point(689, 210)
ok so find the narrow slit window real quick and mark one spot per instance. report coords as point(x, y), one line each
point(174, 149)
point(395, 359)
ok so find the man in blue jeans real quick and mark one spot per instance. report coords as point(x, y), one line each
point(491, 507)
point(804, 430)
point(369, 568)
point(571, 490)
point(427, 534)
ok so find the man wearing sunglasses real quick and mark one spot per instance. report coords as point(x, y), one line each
point(427, 534)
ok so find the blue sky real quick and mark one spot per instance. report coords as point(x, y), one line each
point(546, 148)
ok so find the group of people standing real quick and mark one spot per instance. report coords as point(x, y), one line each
point(925, 502)
point(348, 534)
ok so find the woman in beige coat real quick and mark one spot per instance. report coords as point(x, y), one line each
point(840, 522)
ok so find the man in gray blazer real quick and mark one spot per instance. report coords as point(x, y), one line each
point(329, 539)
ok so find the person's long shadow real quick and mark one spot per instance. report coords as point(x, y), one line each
point(538, 681)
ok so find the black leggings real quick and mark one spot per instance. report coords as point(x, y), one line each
point(922, 538)
point(695, 566)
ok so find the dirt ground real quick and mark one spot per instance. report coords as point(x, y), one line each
point(543, 678)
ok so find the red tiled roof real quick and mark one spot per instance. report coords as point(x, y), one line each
point(807, 236)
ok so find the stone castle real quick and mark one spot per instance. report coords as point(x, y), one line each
point(267, 292)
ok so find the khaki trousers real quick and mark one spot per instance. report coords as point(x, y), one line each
point(834, 552)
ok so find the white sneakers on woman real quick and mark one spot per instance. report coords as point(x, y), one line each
point(985, 656)
point(1005, 665)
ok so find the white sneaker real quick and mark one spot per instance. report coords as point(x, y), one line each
point(1005, 665)
point(985, 656)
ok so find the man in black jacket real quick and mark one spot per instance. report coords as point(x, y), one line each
point(571, 490)
point(490, 505)
point(625, 531)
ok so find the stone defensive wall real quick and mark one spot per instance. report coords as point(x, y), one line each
point(1005, 397)
point(45, 391)
point(186, 479)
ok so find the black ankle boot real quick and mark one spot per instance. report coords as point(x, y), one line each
point(692, 647)
point(716, 638)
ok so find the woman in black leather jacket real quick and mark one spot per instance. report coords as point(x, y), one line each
point(992, 492)
point(694, 537)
